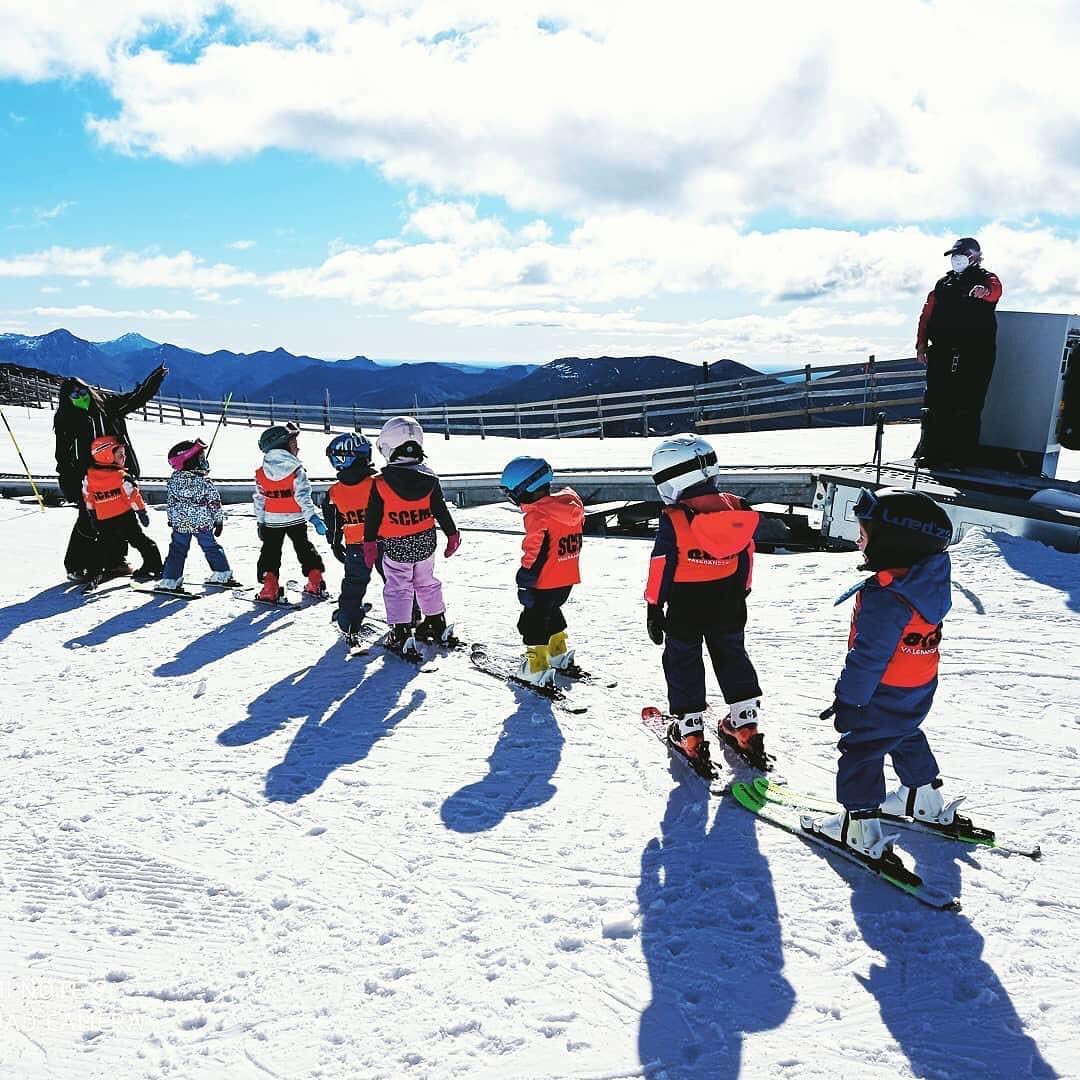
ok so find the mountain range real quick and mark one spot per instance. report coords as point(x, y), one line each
point(284, 377)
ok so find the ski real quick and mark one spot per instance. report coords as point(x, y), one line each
point(281, 602)
point(962, 830)
point(505, 669)
point(577, 674)
point(410, 654)
point(156, 589)
point(889, 867)
point(227, 586)
point(658, 723)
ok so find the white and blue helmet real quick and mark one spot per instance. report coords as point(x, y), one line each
point(681, 462)
point(345, 450)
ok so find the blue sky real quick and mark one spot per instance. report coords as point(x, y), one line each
point(453, 181)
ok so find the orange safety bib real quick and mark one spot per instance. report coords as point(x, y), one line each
point(105, 487)
point(351, 501)
point(279, 495)
point(915, 661)
point(694, 561)
point(403, 517)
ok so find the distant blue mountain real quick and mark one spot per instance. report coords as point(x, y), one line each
point(256, 376)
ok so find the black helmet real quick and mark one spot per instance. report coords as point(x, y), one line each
point(902, 527)
point(278, 437)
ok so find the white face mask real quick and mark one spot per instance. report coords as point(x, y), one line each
point(960, 263)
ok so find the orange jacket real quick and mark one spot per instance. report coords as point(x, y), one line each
point(108, 492)
point(279, 495)
point(351, 501)
point(403, 517)
point(552, 545)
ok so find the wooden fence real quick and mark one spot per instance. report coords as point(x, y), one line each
point(794, 398)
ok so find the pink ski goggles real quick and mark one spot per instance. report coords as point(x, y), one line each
point(182, 457)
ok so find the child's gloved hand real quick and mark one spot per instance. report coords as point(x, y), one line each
point(318, 525)
point(144, 518)
point(371, 552)
point(259, 530)
point(654, 623)
point(218, 527)
point(453, 542)
point(828, 713)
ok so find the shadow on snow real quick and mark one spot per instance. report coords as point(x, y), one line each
point(343, 709)
point(710, 934)
point(153, 611)
point(55, 600)
point(520, 769)
point(252, 624)
point(1043, 564)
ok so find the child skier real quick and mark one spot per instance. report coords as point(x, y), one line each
point(283, 507)
point(406, 503)
point(345, 508)
point(549, 565)
point(116, 509)
point(701, 568)
point(194, 508)
point(887, 685)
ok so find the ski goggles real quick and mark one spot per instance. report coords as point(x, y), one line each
point(865, 505)
point(80, 398)
point(523, 487)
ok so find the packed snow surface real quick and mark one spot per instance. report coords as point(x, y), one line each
point(227, 851)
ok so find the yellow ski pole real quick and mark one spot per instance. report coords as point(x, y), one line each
point(18, 451)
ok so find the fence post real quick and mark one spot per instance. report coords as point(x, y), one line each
point(180, 409)
point(202, 415)
point(224, 414)
point(446, 421)
point(745, 404)
point(806, 382)
point(271, 424)
point(144, 410)
point(480, 415)
point(247, 409)
point(355, 422)
point(600, 414)
point(517, 413)
point(644, 418)
point(295, 412)
point(160, 412)
point(555, 413)
point(326, 413)
point(868, 385)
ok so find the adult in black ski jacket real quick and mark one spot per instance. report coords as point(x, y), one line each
point(84, 414)
point(957, 341)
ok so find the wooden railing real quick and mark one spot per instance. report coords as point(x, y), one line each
point(794, 398)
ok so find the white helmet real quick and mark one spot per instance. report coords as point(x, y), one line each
point(681, 462)
point(401, 441)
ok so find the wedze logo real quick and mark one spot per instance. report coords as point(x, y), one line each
point(916, 525)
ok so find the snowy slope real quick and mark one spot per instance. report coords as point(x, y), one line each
point(225, 851)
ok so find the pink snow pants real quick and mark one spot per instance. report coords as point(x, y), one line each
point(405, 579)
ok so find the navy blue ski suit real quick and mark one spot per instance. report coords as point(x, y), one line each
point(889, 679)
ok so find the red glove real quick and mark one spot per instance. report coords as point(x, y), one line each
point(371, 552)
point(453, 542)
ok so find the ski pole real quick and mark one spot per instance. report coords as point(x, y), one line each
point(18, 451)
point(221, 420)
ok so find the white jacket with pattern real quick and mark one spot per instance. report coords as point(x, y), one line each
point(194, 503)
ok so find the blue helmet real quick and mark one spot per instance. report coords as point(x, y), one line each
point(525, 476)
point(345, 450)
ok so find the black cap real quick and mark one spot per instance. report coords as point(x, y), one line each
point(966, 245)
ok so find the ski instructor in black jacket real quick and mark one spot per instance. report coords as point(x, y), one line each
point(957, 341)
point(84, 414)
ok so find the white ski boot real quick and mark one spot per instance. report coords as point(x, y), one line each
point(862, 834)
point(534, 668)
point(924, 803)
point(171, 583)
point(221, 577)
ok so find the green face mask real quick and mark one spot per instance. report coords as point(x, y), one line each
point(82, 401)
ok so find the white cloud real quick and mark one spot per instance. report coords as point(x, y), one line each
point(693, 113)
point(89, 311)
point(52, 212)
point(241, 245)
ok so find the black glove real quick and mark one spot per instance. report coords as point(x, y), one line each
point(654, 623)
point(526, 597)
point(828, 713)
point(259, 530)
point(92, 529)
point(218, 526)
point(144, 518)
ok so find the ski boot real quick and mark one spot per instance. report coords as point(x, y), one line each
point(399, 639)
point(271, 592)
point(173, 584)
point(315, 585)
point(859, 830)
point(146, 573)
point(80, 576)
point(93, 581)
point(739, 731)
point(923, 803)
point(435, 630)
point(222, 577)
point(559, 656)
point(121, 569)
point(687, 734)
point(534, 668)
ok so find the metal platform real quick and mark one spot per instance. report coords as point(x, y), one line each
point(986, 498)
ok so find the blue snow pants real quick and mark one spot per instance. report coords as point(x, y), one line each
point(888, 724)
point(684, 669)
point(350, 612)
point(178, 553)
